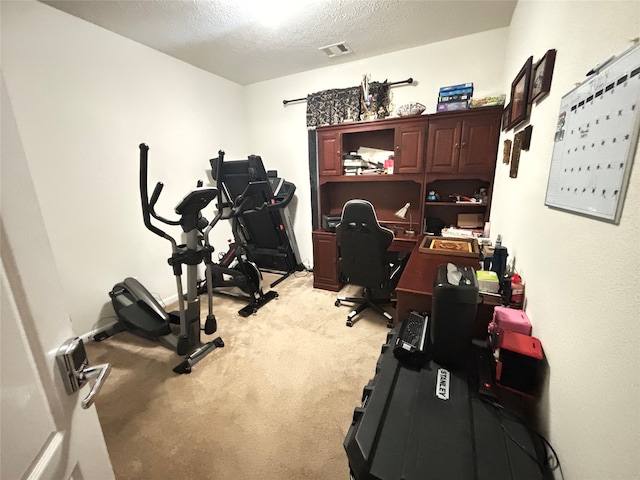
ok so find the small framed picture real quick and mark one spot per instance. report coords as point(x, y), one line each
point(526, 138)
point(505, 118)
point(520, 95)
point(541, 77)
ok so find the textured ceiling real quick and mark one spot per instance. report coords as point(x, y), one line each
point(249, 41)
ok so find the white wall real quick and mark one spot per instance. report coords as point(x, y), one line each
point(84, 99)
point(580, 273)
point(279, 133)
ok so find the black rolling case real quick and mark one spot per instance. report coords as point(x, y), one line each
point(430, 423)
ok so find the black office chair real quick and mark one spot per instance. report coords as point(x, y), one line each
point(364, 259)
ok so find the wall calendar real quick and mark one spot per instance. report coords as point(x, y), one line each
point(596, 139)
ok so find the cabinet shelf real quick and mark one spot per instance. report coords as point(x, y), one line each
point(456, 204)
point(396, 177)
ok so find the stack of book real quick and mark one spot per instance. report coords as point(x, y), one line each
point(455, 97)
point(353, 164)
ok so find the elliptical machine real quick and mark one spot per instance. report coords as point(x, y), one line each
point(139, 312)
point(235, 268)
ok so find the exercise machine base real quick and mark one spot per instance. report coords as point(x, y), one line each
point(253, 307)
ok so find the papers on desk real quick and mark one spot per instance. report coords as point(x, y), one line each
point(453, 232)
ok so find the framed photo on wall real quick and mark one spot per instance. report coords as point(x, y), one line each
point(520, 94)
point(505, 118)
point(541, 76)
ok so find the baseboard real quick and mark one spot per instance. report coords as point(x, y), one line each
point(171, 299)
point(88, 337)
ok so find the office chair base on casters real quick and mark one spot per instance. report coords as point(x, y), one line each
point(366, 301)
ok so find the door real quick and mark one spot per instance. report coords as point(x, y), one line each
point(479, 148)
point(443, 145)
point(45, 433)
point(325, 261)
point(409, 151)
point(329, 157)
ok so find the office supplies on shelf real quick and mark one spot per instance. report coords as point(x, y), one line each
point(452, 232)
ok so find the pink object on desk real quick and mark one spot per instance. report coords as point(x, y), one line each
point(511, 319)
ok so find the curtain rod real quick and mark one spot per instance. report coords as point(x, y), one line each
point(401, 82)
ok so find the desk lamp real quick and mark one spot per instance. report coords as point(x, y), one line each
point(402, 213)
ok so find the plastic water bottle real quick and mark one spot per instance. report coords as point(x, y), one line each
point(517, 291)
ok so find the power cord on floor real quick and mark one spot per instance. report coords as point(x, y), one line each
point(552, 461)
point(101, 335)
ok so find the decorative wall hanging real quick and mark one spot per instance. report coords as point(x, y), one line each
point(348, 104)
point(596, 139)
point(520, 95)
point(506, 152)
point(526, 137)
point(541, 77)
point(515, 156)
point(506, 118)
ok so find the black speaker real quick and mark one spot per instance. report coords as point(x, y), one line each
point(433, 225)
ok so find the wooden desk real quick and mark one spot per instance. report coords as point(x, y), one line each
point(325, 254)
point(403, 243)
point(415, 288)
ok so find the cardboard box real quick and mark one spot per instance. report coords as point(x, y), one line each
point(470, 220)
point(452, 106)
point(488, 281)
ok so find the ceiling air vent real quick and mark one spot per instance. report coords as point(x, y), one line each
point(336, 49)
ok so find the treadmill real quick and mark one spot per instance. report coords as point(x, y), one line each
point(266, 227)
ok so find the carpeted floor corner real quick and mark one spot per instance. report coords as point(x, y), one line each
point(275, 403)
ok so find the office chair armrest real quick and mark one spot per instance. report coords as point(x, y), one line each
point(397, 267)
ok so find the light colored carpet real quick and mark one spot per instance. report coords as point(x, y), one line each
point(275, 403)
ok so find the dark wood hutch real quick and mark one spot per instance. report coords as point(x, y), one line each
point(450, 153)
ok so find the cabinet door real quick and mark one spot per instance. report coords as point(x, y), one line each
point(409, 148)
point(479, 147)
point(325, 261)
point(329, 156)
point(443, 145)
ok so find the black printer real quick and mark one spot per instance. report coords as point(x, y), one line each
point(330, 222)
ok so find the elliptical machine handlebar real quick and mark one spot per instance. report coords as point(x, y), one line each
point(147, 206)
point(216, 176)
